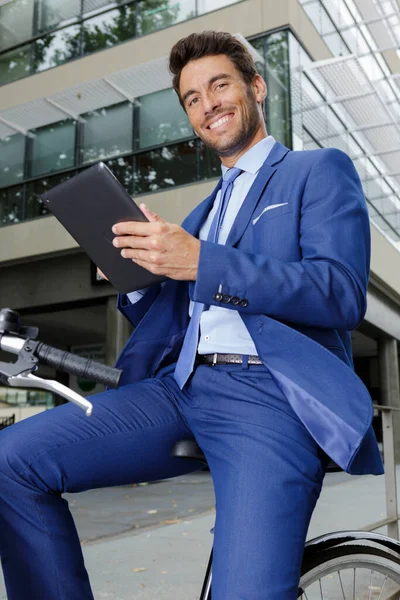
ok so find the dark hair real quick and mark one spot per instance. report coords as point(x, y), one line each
point(210, 43)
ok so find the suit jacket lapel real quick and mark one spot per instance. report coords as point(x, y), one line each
point(249, 205)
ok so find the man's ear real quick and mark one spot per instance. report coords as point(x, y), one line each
point(260, 88)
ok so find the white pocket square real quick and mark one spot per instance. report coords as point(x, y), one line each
point(270, 207)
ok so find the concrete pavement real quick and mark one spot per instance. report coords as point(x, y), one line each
point(165, 558)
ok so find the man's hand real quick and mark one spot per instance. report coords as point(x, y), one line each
point(160, 247)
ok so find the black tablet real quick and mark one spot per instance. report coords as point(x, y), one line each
point(88, 205)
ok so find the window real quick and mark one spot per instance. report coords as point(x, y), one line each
point(56, 13)
point(108, 29)
point(11, 205)
point(94, 6)
point(122, 168)
point(34, 205)
point(158, 14)
point(53, 148)
point(275, 70)
point(166, 167)
point(12, 159)
point(15, 64)
point(161, 119)
point(57, 48)
point(16, 20)
point(205, 6)
point(107, 132)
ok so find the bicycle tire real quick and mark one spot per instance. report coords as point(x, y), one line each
point(351, 556)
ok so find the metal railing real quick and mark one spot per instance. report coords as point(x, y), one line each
point(392, 513)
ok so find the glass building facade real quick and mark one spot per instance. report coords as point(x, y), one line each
point(36, 35)
point(320, 122)
point(148, 144)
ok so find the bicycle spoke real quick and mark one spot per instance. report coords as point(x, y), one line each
point(370, 585)
point(366, 574)
point(380, 595)
point(341, 585)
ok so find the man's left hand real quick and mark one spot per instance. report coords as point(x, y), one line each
point(160, 247)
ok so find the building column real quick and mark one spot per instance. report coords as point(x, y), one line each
point(118, 330)
point(390, 386)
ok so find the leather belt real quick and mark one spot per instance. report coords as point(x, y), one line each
point(226, 359)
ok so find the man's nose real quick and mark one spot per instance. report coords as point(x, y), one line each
point(211, 102)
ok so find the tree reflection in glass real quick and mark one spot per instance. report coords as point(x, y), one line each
point(11, 203)
point(57, 48)
point(158, 14)
point(166, 167)
point(34, 205)
point(15, 64)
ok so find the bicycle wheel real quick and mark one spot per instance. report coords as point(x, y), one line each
point(352, 572)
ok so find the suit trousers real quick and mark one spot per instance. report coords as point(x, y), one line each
point(266, 468)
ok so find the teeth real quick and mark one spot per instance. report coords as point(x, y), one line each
point(220, 122)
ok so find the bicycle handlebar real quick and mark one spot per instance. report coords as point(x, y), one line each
point(21, 340)
point(62, 360)
point(78, 365)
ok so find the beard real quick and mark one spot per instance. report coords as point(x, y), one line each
point(236, 142)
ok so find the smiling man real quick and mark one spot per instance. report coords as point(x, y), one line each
point(246, 347)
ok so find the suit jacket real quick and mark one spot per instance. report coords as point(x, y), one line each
point(298, 253)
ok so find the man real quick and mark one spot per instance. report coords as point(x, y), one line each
point(273, 269)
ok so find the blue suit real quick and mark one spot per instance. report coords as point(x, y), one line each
point(298, 252)
point(303, 266)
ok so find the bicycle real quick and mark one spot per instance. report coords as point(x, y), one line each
point(339, 565)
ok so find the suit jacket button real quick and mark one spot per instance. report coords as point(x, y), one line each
point(226, 298)
point(244, 302)
point(235, 300)
point(217, 297)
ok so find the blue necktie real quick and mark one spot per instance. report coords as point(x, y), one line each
point(185, 363)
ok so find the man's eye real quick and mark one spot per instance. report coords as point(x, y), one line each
point(220, 85)
point(193, 101)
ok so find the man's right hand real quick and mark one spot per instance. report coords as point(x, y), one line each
point(101, 274)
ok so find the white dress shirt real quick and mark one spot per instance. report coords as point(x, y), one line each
point(222, 329)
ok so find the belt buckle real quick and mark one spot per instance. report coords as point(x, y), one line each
point(214, 359)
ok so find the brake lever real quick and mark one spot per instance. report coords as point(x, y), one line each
point(32, 381)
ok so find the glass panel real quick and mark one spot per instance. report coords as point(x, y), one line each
point(259, 45)
point(319, 17)
point(34, 205)
point(205, 6)
point(56, 13)
point(336, 44)
point(123, 171)
point(57, 48)
point(161, 119)
point(158, 14)
point(166, 167)
point(11, 205)
point(107, 132)
point(94, 6)
point(53, 148)
point(278, 101)
point(209, 163)
point(16, 21)
point(109, 29)
point(12, 152)
point(15, 64)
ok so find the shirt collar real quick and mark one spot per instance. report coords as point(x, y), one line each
point(254, 158)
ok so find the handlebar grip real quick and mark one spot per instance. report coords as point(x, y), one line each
point(77, 365)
